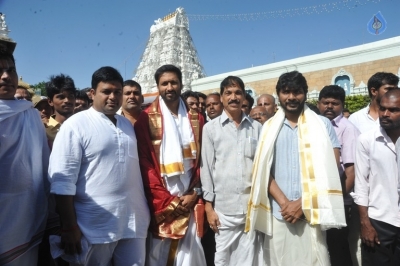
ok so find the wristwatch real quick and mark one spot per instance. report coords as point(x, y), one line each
point(198, 190)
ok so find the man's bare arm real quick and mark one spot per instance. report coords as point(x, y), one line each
point(350, 176)
point(369, 236)
point(291, 211)
point(70, 233)
point(336, 151)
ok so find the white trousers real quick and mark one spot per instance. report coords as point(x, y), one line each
point(298, 244)
point(189, 251)
point(233, 246)
point(124, 252)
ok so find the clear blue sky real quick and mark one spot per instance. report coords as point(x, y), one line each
point(76, 37)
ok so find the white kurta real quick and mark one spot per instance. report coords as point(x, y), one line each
point(24, 155)
point(97, 163)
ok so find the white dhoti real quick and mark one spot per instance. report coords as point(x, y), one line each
point(189, 251)
point(299, 244)
point(233, 246)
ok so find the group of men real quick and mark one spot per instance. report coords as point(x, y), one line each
point(142, 187)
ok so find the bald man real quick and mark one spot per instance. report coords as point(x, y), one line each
point(268, 101)
point(260, 114)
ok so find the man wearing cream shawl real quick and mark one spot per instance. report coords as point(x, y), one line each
point(296, 192)
point(169, 135)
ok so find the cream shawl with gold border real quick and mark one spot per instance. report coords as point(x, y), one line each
point(322, 198)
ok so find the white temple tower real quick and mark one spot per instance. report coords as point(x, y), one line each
point(169, 43)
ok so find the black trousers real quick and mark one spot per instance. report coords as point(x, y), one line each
point(388, 252)
point(338, 244)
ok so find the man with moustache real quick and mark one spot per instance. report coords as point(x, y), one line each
point(214, 106)
point(61, 92)
point(169, 137)
point(229, 144)
point(24, 160)
point(297, 161)
point(330, 104)
point(132, 100)
point(378, 84)
point(95, 177)
point(377, 185)
point(268, 102)
point(260, 114)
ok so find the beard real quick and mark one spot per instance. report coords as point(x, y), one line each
point(389, 124)
point(293, 110)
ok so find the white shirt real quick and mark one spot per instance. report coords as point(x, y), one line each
point(377, 176)
point(363, 121)
point(24, 157)
point(97, 162)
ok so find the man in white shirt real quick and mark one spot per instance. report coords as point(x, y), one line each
point(378, 84)
point(376, 186)
point(229, 144)
point(95, 176)
point(24, 155)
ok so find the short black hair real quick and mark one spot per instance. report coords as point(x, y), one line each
point(332, 91)
point(58, 84)
point(6, 55)
point(379, 79)
point(201, 95)
point(86, 89)
point(188, 94)
point(250, 100)
point(132, 83)
point(231, 81)
point(292, 80)
point(345, 110)
point(81, 95)
point(106, 74)
point(168, 68)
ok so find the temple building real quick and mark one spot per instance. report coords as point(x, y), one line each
point(169, 43)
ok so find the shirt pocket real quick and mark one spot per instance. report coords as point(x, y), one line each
point(250, 147)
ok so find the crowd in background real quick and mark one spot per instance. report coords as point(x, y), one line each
point(92, 177)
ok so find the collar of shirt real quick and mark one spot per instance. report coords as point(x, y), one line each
point(224, 119)
point(336, 120)
point(366, 109)
point(380, 135)
point(103, 116)
point(53, 122)
point(287, 123)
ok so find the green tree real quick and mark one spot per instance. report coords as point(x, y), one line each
point(41, 86)
point(356, 102)
point(312, 101)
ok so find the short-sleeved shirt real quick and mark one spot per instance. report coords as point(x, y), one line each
point(286, 164)
point(52, 129)
point(347, 135)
